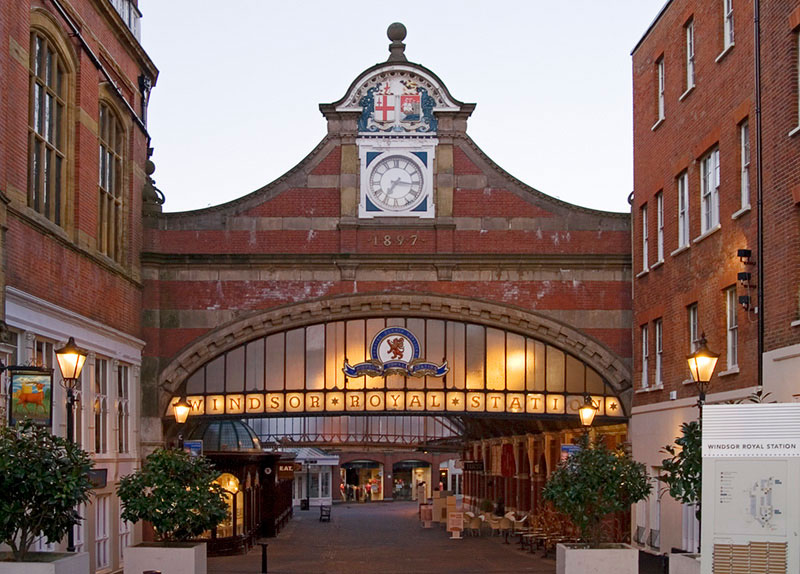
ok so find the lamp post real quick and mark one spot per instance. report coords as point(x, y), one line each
point(70, 360)
point(701, 366)
point(587, 412)
point(181, 411)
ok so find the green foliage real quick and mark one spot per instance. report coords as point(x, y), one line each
point(43, 478)
point(486, 505)
point(593, 483)
point(682, 472)
point(175, 492)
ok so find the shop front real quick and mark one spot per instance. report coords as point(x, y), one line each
point(313, 477)
point(362, 481)
point(407, 476)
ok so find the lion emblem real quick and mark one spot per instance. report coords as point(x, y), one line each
point(396, 347)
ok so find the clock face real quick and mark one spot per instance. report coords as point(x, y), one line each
point(395, 183)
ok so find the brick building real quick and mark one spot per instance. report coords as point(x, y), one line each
point(74, 82)
point(695, 218)
point(395, 220)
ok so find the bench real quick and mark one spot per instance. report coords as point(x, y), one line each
point(324, 513)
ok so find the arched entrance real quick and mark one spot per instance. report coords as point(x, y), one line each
point(406, 475)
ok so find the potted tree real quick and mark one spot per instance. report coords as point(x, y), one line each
point(593, 483)
point(176, 493)
point(43, 478)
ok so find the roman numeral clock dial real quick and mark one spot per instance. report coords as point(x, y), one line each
point(395, 183)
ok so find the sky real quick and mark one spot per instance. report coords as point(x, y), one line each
point(236, 102)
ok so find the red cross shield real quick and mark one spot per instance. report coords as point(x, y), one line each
point(384, 108)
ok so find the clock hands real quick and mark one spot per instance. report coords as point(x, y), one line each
point(398, 181)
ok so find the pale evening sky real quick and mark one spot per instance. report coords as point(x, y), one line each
point(235, 105)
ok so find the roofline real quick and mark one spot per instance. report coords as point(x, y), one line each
point(650, 27)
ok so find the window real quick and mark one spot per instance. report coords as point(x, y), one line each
point(109, 214)
point(744, 145)
point(43, 353)
point(125, 529)
point(693, 334)
point(683, 209)
point(660, 79)
point(79, 537)
point(709, 190)
point(732, 327)
point(689, 30)
point(123, 408)
point(101, 506)
point(660, 224)
point(644, 238)
point(645, 382)
point(101, 406)
point(77, 411)
point(659, 380)
point(728, 24)
point(46, 129)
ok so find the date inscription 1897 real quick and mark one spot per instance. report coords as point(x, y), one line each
point(396, 239)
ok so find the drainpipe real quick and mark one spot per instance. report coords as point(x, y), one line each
point(759, 188)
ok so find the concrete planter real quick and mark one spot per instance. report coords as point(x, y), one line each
point(608, 559)
point(167, 557)
point(47, 563)
point(684, 564)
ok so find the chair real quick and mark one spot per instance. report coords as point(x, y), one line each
point(520, 524)
point(505, 527)
point(494, 524)
point(475, 524)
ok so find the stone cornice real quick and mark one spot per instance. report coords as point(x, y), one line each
point(390, 261)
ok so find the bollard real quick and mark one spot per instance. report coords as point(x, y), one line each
point(263, 557)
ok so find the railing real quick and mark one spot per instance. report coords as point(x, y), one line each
point(130, 15)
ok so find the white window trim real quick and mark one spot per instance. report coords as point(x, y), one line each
point(745, 158)
point(102, 505)
point(645, 355)
point(660, 227)
point(689, 30)
point(683, 222)
point(728, 36)
point(659, 376)
point(645, 242)
point(694, 325)
point(731, 328)
point(709, 190)
point(661, 86)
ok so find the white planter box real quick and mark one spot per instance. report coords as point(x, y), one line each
point(609, 559)
point(168, 558)
point(64, 563)
point(684, 564)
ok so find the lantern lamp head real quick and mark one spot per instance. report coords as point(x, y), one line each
point(181, 410)
point(702, 363)
point(587, 411)
point(70, 359)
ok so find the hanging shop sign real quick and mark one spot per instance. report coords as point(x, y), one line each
point(395, 351)
point(31, 395)
point(476, 465)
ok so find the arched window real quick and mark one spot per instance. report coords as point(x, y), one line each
point(47, 138)
point(109, 212)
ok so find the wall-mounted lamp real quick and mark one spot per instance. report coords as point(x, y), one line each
point(744, 301)
point(587, 412)
point(743, 276)
point(744, 256)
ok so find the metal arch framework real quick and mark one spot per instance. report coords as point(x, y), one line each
point(511, 319)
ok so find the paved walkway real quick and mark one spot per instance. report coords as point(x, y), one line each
point(380, 537)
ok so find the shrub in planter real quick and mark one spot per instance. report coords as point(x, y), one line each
point(43, 478)
point(594, 482)
point(176, 493)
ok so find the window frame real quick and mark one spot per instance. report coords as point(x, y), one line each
point(112, 140)
point(645, 246)
point(102, 537)
point(659, 336)
point(690, 54)
point(694, 327)
point(661, 86)
point(660, 227)
point(709, 190)
point(731, 328)
point(684, 237)
point(100, 403)
point(727, 24)
point(645, 383)
point(744, 158)
point(123, 408)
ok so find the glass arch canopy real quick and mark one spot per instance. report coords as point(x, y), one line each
point(486, 370)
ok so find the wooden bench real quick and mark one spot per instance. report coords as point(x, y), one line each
point(324, 513)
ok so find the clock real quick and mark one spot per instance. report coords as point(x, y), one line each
point(395, 183)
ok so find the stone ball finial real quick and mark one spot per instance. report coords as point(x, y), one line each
point(396, 32)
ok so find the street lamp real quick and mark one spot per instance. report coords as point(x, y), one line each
point(587, 412)
point(181, 411)
point(701, 366)
point(70, 360)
